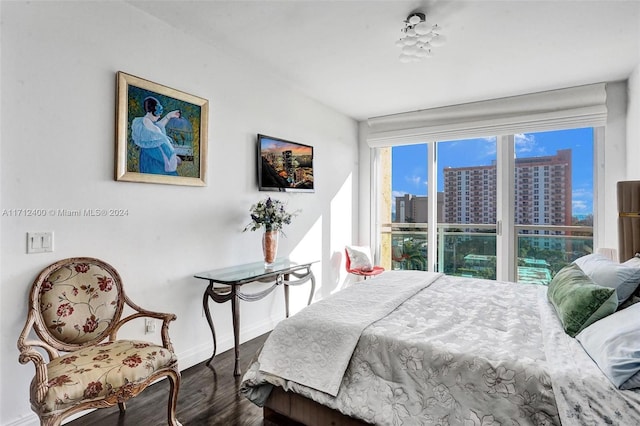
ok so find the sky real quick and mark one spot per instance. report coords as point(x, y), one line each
point(409, 163)
point(279, 145)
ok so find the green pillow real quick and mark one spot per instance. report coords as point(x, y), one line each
point(579, 301)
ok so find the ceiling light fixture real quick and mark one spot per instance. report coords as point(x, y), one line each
point(418, 38)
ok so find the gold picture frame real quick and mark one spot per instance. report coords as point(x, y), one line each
point(161, 133)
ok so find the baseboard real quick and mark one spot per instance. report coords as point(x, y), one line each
point(196, 355)
point(29, 420)
point(32, 420)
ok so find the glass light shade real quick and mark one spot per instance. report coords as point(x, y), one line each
point(422, 28)
point(409, 50)
point(409, 41)
point(414, 19)
point(438, 40)
point(418, 39)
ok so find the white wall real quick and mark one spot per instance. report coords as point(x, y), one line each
point(611, 166)
point(59, 61)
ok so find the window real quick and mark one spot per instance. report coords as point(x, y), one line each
point(551, 226)
point(515, 120)
point(567, 193)
point(409, 210)
point(462, 249)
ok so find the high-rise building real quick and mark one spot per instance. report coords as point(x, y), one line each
point(414, 208)
point(542, 191)
point(470, 194)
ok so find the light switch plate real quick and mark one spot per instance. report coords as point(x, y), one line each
point(39, 242)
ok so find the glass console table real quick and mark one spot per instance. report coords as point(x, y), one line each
point(225, 284)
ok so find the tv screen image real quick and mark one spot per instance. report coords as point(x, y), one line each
point(284, 165)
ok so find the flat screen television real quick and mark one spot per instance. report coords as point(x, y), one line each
point(284, 166)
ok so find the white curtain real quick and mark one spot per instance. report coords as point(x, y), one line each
point(582, 106)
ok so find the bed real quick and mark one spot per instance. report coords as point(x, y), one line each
point(422, 348)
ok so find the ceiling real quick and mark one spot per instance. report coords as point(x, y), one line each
point(342, 53)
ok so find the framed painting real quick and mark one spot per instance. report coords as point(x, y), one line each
point(161, 133)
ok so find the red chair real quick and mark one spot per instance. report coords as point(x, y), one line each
point(358, 262)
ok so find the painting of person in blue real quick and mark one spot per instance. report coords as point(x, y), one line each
point(157, 154)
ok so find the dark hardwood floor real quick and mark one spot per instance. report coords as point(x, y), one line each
point(208, 396)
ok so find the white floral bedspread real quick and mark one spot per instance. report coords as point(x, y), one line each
point(320, 340)
point(464, 352)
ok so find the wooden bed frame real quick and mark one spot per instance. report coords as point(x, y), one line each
point(290, 409)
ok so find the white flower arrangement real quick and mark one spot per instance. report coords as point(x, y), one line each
point(269, 214)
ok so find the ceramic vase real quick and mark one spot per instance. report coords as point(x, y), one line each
point(269, 247)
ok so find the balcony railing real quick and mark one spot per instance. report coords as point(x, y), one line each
point(470, 249)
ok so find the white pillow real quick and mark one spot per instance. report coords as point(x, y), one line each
point(607, 273)
point(614, 344)
point(360, 258)
point(634, 262)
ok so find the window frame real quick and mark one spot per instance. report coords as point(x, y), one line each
point(506, 233)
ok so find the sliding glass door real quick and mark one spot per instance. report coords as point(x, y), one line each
point(553, 193)
point(467, 228)
point(409, 208)
point(520, 215)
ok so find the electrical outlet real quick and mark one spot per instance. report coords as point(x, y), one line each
point(149, 326)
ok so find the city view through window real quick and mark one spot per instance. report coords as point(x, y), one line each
point(552, 185)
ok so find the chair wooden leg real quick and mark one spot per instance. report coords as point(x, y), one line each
point(51, 420)
point(122, 406)
point(174, 387)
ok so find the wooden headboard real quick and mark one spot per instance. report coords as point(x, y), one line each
point(628, 219)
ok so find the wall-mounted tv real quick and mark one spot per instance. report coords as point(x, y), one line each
point(284, 166)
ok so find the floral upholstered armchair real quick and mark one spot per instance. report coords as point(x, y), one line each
point(75, 308)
